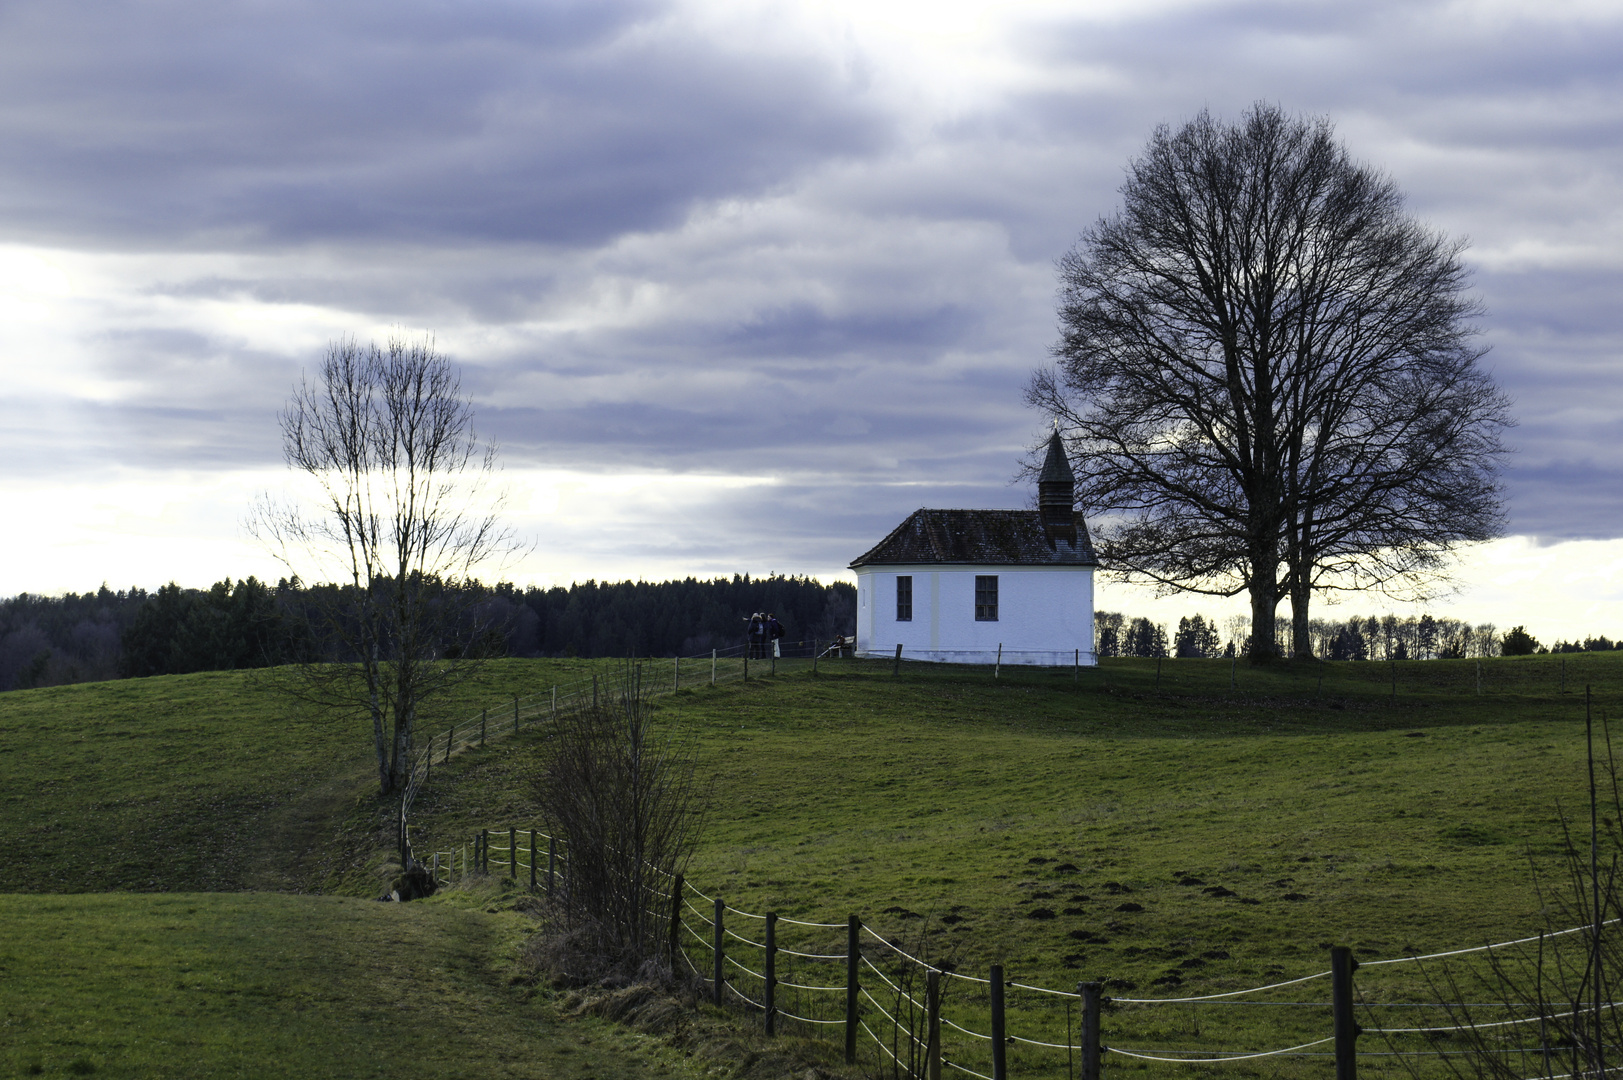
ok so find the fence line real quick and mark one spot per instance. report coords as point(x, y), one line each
point(908, 1018)
point(501, 851)
point(724, 665)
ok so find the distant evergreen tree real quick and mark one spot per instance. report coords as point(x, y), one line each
point(226, 627)
point(1196, 638)
point(1518, 642)
point(687, 617)
point(1145, 638)
point(1107, 629)
point(49, 641)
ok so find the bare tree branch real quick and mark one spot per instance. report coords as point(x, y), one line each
point(401, 519)
point(1267, 375)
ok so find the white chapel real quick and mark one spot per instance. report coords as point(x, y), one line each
point(961, 586)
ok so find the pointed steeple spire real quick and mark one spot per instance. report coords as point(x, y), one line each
point(1056, 466)
point(1056, 492)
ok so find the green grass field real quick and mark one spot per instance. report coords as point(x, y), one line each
point(985, 821)
point(205, 782)
point(253, 985)
point(1007, 821)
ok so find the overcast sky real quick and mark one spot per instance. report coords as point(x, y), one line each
point(735, 286)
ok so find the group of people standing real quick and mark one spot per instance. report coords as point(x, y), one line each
point(764, 634)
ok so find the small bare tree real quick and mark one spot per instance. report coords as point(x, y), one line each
point(401, 520)
point(625, 799)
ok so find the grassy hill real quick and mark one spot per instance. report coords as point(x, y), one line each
point(133, 811)
point(984, 820)
point(204, 782)
point(258, 985)
point(1168, 833)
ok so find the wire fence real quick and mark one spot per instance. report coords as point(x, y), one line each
point(890, 1005)
point(508, 719)
point(910, 1015)
point(654, 678)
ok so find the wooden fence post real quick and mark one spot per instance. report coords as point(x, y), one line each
point(676, 674)
point(1076, 670)
point(552, 863)
point(771, 973)
point(1000, 1048)
point(512, 853)
point(436, 870)
point(1342, 966)
point(484, 851)
point(712, 667)
point(1090, 1030)
point(997, 666)
point(719, 951)
point(932, 1035)
point(853, 953)
point(1234, 669)
point(532, 860)
point(896, 667)
point(555, 704)
point(747, 662)
point(676, 921)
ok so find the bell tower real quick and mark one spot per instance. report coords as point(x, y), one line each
point(1056, 493)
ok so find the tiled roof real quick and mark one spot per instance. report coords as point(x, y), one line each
point(981, 537)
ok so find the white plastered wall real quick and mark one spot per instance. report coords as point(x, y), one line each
point(1045, 614)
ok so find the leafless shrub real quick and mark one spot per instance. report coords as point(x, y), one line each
point(626, 800)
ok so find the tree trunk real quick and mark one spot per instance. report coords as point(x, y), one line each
point(1264, 602)
point(380, 738)
point(1264, 590)
point(405, 711)
point(380, 730)
point(1301, 640)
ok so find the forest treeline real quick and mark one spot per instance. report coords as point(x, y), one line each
point(81, 637)
point(107, 634)
point(1361, 637)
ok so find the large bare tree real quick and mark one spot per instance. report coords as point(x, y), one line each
point(1269, 375)
point(400, 519)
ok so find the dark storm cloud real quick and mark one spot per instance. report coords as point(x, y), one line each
point(1504, 127)
point(659, 249)
point(243, 125)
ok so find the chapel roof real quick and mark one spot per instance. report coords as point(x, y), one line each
point(982, 538)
